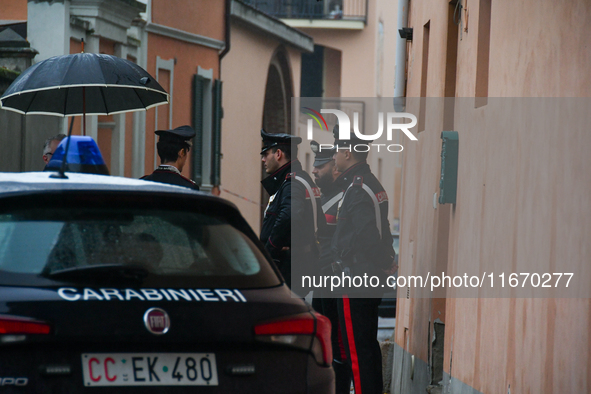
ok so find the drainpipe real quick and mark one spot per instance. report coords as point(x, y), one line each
point(400, 72)
point(218, 112)
point(227, 36)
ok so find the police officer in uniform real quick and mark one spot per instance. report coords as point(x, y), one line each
point(362, 244)
point(173, 149)
point(325, 175)
point(293, 215)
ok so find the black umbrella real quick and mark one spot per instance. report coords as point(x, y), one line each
point(83, 84)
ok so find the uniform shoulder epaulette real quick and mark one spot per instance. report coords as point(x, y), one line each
point(188, 179)
point(358, 180)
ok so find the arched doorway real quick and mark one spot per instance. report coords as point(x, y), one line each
point(277, 106)
point(278, 94)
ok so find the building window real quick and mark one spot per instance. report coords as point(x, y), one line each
point(207, 115)
point(312, 81)
point(424, 76)
point(482, 54)
point(165, 77)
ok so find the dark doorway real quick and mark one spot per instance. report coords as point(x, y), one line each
point(312, 69)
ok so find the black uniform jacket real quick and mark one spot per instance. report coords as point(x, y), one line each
point(356, 242)
point(170, 177)
point(288, 220)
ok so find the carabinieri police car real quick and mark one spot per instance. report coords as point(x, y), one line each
point(111, 285)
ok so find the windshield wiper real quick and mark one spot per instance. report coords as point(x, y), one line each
point(103, 272)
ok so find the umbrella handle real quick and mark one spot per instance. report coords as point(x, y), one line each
point(61, 173)
point(71, 126)
point(84, 110)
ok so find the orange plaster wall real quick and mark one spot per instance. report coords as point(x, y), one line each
point(149, 140)
point(75, 47)
point(188, 58)
point(129, 140)
point(106, 46)
point(13, 10)
point(203, 17)
point(105, 135)
point(129, 125)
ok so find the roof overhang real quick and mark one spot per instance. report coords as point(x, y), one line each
point(325, 24)
point(107, 18)
point(268, 25)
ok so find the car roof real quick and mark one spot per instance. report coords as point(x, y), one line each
point(32, 182)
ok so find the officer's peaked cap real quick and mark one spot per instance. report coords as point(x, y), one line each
point(272, 140)
point(181, 134)
point(322, 154)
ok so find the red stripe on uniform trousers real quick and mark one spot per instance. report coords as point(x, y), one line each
point(351, 341)
point(342, 349)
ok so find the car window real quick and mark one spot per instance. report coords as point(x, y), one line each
point(165, 243)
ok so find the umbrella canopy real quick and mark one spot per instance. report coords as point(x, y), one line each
point(83, 84)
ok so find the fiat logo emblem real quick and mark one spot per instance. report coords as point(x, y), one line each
point(157, 321)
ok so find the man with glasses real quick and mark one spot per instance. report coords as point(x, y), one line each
point(50, 146)
point(173, 149)
point(293, 215)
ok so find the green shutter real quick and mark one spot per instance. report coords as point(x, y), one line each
point(216, 140)
point(448, 182)
point(198, 83)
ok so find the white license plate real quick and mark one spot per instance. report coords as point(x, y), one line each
point(149, 369)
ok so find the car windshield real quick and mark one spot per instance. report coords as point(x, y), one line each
point(164, 244)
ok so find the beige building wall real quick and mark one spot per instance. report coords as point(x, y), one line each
point(358, 59)
point(366, 60)
point(387, 15)
point(361, 59)
point(244, 71)
point(522, 195)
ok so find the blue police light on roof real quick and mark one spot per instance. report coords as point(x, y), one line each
point(83, 156)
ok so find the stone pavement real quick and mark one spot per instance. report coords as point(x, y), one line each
point(385, 337)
